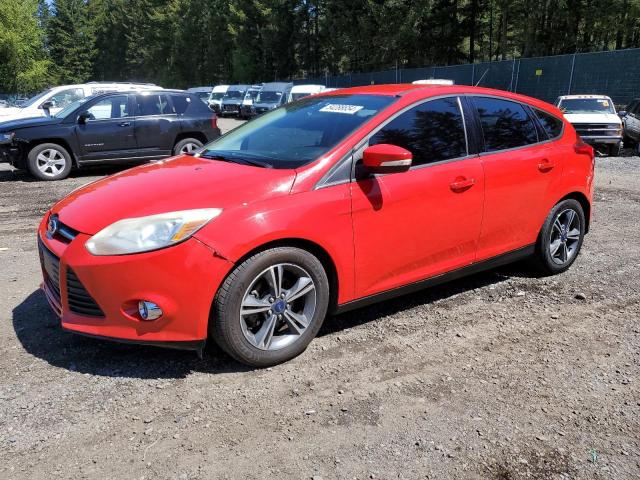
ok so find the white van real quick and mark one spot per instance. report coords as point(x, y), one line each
point(215, 99)
point(301, 91)
point(434, 81)
point(55, 99)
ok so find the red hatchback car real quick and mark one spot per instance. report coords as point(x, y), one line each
point(322, 205)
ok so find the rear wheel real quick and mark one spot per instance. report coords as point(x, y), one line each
point(187, 145)
point(49, 161)
point(561, 237)
point(271, 306)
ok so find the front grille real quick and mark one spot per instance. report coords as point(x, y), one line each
point(230, 108)
point(78, 298)
point(596, 130)
point(50, 269)
point(60, 231)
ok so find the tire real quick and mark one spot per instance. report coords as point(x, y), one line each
point(245, 336)
point(186, 145)
point(614, 150)
point(554, 230)
point(49, 161)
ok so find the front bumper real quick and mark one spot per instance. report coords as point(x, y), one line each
point(599, 140)
point(9, 153)
point(181, 279)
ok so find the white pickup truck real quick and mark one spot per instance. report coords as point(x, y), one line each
point(55, 99)
point(594, 118)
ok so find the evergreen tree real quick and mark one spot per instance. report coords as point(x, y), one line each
point(71, 40)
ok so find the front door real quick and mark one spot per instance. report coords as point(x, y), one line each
point(426, 221)
point(108, 133)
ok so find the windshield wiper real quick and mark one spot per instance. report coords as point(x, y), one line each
point(234, 159)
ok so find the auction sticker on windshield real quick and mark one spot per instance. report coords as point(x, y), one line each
point(340, 108)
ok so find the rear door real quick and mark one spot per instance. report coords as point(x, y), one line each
point(521, 168)
point(108, 134)
point(414, 225)
point(157, 125)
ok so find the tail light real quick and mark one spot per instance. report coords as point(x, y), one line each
point(214, 121)
point(582, 148)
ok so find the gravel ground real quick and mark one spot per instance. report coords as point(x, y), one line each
point(502, 375)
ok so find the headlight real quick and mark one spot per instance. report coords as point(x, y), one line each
point(135, 235)
point(6, 137)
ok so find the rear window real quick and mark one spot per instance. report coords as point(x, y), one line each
point(552, 125)
point(153, 104)
point(505, 124)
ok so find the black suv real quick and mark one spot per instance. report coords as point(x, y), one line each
point(108, 128)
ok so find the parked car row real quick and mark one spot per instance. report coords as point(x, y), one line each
point(247, 101)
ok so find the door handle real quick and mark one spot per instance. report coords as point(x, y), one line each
point(461, 184)
point(545, 165)
point(124, 124)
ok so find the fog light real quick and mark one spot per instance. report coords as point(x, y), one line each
point(149, 310)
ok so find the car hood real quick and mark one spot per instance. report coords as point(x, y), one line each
point(4, 112)
point(266, 105)
point(232, 102)
point(7, 125)
point(180, 183)
point(592, 118)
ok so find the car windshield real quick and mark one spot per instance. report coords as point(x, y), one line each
point(34, 99)
point(586, 105)
point(267, 97)
point(71, 107)
point(297, 133)
point(202, 95)
point(251, 94)
point(234, 94)
point(216, 95)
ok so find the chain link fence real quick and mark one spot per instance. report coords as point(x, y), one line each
point(614, 73)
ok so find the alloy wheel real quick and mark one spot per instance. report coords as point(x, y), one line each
point(51, 162)
point(565, 236)
point(278, 307)
point(189, 147)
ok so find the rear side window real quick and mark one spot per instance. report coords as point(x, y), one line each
point(180, 103)
point(153, 104)
point(432, 132)
point(552, 125)
point(505, 124)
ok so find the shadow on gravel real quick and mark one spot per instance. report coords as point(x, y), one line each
point(38, 330)
point(16, 175)
point(426, 296)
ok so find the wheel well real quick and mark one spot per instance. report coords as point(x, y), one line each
point(584, 202)
point(197, 135)
point(313, 248)
point(58, 141)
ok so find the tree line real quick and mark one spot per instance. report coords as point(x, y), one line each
point(181, 43)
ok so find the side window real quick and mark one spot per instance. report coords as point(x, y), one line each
point(432, 131)
point(552, 125)
point(180, 103)
point(66, 97)
point(505, 124)
point(111, 107)
point(154, 104)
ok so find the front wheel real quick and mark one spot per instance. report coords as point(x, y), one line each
point(561, 237)
point(271, 306)
point(614, 150)
point(49, 161)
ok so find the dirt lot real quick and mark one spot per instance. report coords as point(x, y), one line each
point(501, 376)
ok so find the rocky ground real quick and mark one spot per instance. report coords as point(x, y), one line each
point(501, 376)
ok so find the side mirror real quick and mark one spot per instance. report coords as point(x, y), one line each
point(83, 117)
point(622, 113)
point(47, 105)
point(386, 158)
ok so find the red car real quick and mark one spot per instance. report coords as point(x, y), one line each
point(322, 205)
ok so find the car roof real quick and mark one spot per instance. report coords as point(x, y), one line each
point(414, 92)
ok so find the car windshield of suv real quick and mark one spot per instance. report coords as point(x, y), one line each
point(234, 94)
point(202, 96)
point(71, 107)
point(34, 99)
point(216, 95)
point(268, 97)
point(586, 105)
point(297, 133)
point(251, 94)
